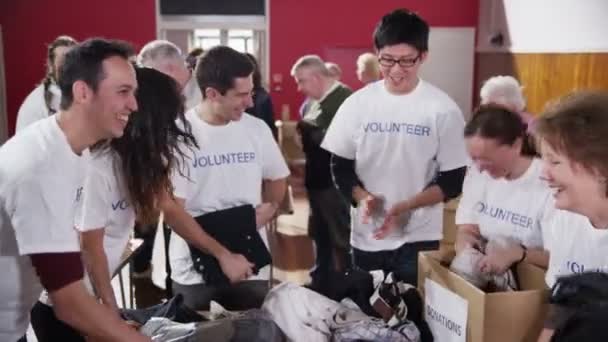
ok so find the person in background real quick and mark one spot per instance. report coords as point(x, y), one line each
point(262, 103)
point(506, 91)
point(573, 135)
point(328, 221)
point(43, 101)
point(193, 57)
point(167, 58)
point(503, 195)
point(368, 69)
point(334, 70)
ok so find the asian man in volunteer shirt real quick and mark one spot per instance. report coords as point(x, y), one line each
point(574, 139)
point(41, 177)
point(237, 154)
point(44, 99)
point(398, 153)
point(503, 195)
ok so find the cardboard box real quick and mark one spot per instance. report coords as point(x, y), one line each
point(492, 317)
point(449, 222)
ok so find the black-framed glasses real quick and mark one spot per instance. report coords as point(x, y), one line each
point(403, 62)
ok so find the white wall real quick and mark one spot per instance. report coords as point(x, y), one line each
point(450, 63)
point(544, 26)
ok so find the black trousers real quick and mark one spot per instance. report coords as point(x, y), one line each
point(244, 295)
point(48, 328)
point(329, 228)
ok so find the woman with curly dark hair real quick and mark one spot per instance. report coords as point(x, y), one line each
point(128, 179)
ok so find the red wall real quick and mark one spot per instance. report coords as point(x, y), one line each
point(29, 25)
point(335, 27)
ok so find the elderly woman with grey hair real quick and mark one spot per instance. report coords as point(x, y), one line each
point(506, 91)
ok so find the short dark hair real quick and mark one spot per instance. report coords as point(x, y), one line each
point(402, 27)
point(218, 67)
point(501, 124)
point(84, 63)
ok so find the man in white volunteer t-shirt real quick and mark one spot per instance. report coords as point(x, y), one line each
point(43, 101)
point(574, 135)
point(41, 175)
point(237, 154)
point(398, 153)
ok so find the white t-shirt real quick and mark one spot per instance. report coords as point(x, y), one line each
point(226, 171)
point(192, 93)
point(509, 208)
point(34, 107)
point(41, 182)
point(398, 142)
point(574, 245)
point(105, 204)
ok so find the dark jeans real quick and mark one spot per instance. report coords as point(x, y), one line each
point(49, 328)
point(245, 295)
point(403, 261)
point(23, 339)
point(329, 228)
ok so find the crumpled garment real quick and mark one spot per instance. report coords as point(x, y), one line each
point(465, 265)
point(161, 329)
point(306, 316)
point(350, 324)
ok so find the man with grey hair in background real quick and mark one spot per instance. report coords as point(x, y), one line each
point(329, 219)
point(167, 58)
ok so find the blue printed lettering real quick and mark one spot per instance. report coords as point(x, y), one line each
point(224, 159)
point(78, 194)
point(504, 215)
point(122, 205)
point(397, 127)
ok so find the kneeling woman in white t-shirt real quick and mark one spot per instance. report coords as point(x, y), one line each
point(574, 145)
point(503, 197)
point(124, 178)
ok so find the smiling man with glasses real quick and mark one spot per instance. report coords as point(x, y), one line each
point(397, 153)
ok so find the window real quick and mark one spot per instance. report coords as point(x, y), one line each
point(207, 38)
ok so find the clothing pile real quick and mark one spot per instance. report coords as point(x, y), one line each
point(362, 307)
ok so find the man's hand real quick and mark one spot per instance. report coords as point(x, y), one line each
point(264, 213)
point(500, 255)
point(394, 218)
point(235, 266)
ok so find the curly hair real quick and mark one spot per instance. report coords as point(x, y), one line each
point(154, 142)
